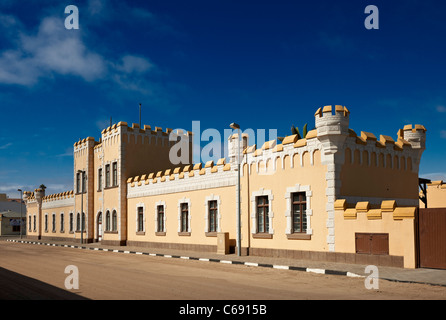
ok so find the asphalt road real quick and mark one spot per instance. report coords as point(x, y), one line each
point(38, 272)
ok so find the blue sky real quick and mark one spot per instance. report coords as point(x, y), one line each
point(263, 64)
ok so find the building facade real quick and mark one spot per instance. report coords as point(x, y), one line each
point(335, 195)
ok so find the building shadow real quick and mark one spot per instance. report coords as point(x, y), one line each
point(15, 286)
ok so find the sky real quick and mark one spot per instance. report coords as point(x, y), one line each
point(262, 64)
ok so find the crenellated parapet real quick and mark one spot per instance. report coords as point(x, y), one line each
point(58, 196)
point(141, 135)
point(354, 211)
point(83, 146)
point(58, 200)
point(189, 177)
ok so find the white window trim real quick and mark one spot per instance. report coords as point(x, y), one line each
point(308, 211)
point(143, 206)
point(254, 195)
point(160, 203)
point(212, 197)
point(181, 201)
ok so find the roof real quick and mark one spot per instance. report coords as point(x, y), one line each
point(12, 214)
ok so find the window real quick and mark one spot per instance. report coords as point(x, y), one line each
point(160, 214)
point(62, 222)
point(107, 221)
point(107, 176)
point(83, 222)
point(212, 207)
point(53, 222)
point(34, 223)
point(78, 222)
point(299, 217)
point(29, 223)
point(262, 214)
point(140, 219)
point(46, 223)
point(115, 174)
point(78, 182)
point(84, 182)
point(184, 217)
point(100, 179)
point(71, 222)
point(114, 221)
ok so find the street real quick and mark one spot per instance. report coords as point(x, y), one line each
point(38, 272)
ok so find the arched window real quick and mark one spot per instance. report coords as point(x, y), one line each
point(107, 221)
point(115, 221)
point(62, 222)
point(71, 222)
point(78, 222)
point(83, 221)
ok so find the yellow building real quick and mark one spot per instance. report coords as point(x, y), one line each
point(435, 194)
point(335, 195)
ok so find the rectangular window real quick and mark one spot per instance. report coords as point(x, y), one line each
point(34, 223)
point(160, 227)
point(140, 219)
point(115, 174)
point(107, 176)
point(262, 214)
point(53, 223)
point(100, 179)
point(84, 182)
point(78, 182)
point(299, 217)
point(71, 222)
point(46, 223)
point(184, 217)
point(62, 222)
point(212, 205)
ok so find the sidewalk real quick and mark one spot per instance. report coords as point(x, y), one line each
point(423, 276)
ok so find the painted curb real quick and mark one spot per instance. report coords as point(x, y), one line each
point(225, 261)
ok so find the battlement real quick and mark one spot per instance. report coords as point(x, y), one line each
point(332, 120)
point(58, 196)
point(146, 129)
point(58, 200)
point(189, 177)
point(188, 171)
point(37, 195)
point(390, 207)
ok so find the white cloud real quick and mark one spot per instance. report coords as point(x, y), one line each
point(441, 109)
point(435, 176)
point(53, 50)
point(134, 64)
point(5, 146)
